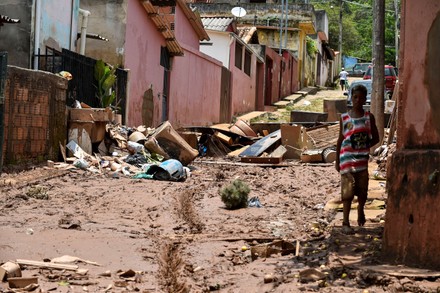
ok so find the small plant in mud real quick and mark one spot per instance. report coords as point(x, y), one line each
point(38, 192)
point(235, 195)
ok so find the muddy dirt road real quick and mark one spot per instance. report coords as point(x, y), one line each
point(159, 236)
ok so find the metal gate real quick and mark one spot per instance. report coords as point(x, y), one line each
point(3, 67)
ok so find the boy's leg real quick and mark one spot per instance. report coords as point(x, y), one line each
point(361, 190)
point(347, 195)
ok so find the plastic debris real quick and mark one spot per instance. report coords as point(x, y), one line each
point(254, 202)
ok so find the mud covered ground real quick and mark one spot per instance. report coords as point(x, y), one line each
point(159, 236)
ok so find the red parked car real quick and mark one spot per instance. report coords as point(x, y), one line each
point(390, 77)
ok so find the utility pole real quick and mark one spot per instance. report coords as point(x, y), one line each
point(340, 34)
point(377, 95)
point(281, 26)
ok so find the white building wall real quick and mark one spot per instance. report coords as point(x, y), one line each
point(218, 47)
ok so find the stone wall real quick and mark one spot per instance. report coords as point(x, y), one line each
point(35, 116)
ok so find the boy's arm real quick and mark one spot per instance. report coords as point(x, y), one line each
point(374, 132)
point(338, 146)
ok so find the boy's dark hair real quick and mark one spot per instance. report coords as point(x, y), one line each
point(359, 88)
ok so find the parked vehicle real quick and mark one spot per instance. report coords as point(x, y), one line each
point(359, 69)
point(368, 83)
point(390, 77)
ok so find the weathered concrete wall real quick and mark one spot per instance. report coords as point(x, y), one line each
point(411, 227)
point(16, 38)
point(35, 116)
point(108, 19)
point(58, 28)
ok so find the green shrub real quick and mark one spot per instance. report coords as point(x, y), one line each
point(235, 195)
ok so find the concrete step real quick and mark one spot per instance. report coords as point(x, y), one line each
point(310, 90)
point(294, 98)
point(282, 104)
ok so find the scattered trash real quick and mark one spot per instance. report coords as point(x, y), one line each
point(311, 275)
point(29, 231)
point(319, 206)
point(9, 270)
point(72, 259)
point(377, 175)
point(169, 170)
point(20, 282)
point(269, 278)
point(268, 249)
point(254, 202)
point(134, 147)
point(81, 164)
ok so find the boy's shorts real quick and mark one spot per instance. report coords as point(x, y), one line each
point(354, 184)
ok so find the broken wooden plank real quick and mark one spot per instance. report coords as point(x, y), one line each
point(47, 265)
point(224, 138)
point(21, 282)
point(238, 151)
point(246, 164)
point(263, 144)
point(261, 160)
point(311, 156)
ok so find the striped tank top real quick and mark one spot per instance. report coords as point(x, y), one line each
point(355, 147)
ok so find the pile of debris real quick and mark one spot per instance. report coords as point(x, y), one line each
point(140, 152)
point(163, 153)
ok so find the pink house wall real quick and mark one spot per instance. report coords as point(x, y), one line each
point(142, 57)
point(411, 226)
point(419, 69)
point(275, 94)
point(183, 30)
point(194, 89)
point(243, 86)
point(289, 75)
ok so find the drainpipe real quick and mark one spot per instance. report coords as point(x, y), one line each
point(85, 20)
point(37, 31)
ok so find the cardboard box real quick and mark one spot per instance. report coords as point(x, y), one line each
point(173, 144)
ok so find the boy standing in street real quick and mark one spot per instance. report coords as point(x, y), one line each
point(343, 78)
point(357, 133)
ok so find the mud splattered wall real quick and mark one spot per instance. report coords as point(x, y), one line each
point(413, 178)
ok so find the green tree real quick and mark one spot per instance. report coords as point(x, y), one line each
point(357, 27)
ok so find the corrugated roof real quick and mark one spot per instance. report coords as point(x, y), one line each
point(217, 23)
